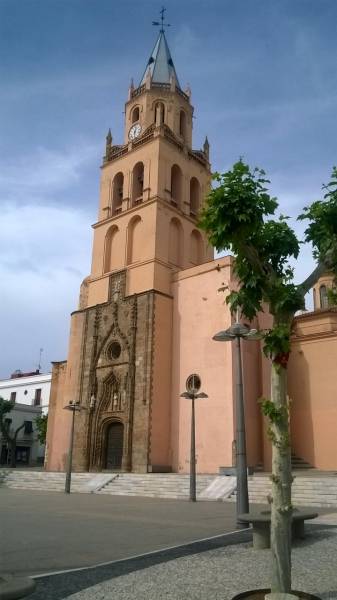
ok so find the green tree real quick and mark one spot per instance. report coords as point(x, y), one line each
point(41, 423)
point(239, 216)
point(6, 406)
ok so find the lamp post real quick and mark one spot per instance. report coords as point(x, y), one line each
point(235, 333)
point(193, 385)
point(73, 407)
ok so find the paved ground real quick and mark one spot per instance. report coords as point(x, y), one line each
point(195, 573)
point(46, 531)
point(42, 532)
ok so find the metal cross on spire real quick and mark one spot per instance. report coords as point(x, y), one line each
point(161, 24)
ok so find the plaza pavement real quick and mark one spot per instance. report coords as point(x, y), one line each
point(48, 531)
point(215, 569)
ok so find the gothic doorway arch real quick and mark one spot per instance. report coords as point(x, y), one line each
point(114, 443)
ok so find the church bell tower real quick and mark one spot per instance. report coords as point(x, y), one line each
point(120, 349)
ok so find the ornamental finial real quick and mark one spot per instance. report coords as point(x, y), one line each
point(161, 24)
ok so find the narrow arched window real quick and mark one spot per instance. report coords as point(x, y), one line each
point(196, 248)
point(194, 196)
point(323, 297)
point(117, 193)
point(134, 240)
point(137, 183)
point(109, 248)
point(176, 186)
point(182, 124)
point(135, 115)
point(159, 114)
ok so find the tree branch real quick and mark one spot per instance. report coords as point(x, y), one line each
point(310, 281)
point(17, 431)
point(254, 259)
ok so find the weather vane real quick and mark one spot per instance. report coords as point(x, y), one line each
point(162, 19)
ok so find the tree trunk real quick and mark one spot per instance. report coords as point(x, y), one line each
point(12, 446)
point(281, 509)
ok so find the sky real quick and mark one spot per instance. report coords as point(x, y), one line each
point(264, 87)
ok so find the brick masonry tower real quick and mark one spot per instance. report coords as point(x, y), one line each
point(120, 348)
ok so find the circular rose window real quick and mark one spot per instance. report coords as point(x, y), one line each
point(114, 350)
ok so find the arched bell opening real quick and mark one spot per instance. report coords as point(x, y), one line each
point(117, 193)
point(194, 197)
point(137, 183)
point(135, 115)
point(323, 297)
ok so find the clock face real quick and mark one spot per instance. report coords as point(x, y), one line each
point(135, 131)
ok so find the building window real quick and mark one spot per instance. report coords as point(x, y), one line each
point(37, 397)
point(28, 427)
point(8, 423)
point(13, 397)
point(323, 295)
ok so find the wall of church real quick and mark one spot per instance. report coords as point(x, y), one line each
point(198, 313)
point(58, 433)
point(160, 447)
point(312, 389)
point(65, 387)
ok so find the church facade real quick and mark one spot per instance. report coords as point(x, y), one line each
point(150, 306)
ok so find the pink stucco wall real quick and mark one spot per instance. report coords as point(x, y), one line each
point(312, 389)
point(198, 313)
point(160, 455)
point(58, 433)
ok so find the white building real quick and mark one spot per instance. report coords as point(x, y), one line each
point(32, 389)
point(30, 392)
point(29, 451)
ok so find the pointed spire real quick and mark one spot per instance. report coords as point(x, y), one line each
point(160, 63)
point(108, 144)
point(109, 138)
point(206, 147)
point(131, 88)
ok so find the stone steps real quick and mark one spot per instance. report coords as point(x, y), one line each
point(299, 463)
point(155, 485)
point(41, 480)
point(306, 491)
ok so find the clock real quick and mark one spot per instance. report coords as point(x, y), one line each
point(135, 131)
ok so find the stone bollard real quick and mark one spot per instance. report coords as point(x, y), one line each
point(13, 588)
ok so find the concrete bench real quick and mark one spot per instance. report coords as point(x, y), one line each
point(261, 526)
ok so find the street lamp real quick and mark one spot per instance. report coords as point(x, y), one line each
point(193, 385)
point(73, 406)
point(236, 332)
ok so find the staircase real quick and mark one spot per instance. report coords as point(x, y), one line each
point(155, 485)
point(299, 463)
point(317, 490)
point(43, 480)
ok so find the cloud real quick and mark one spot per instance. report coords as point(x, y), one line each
point(44, 172)
point(45, 253)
